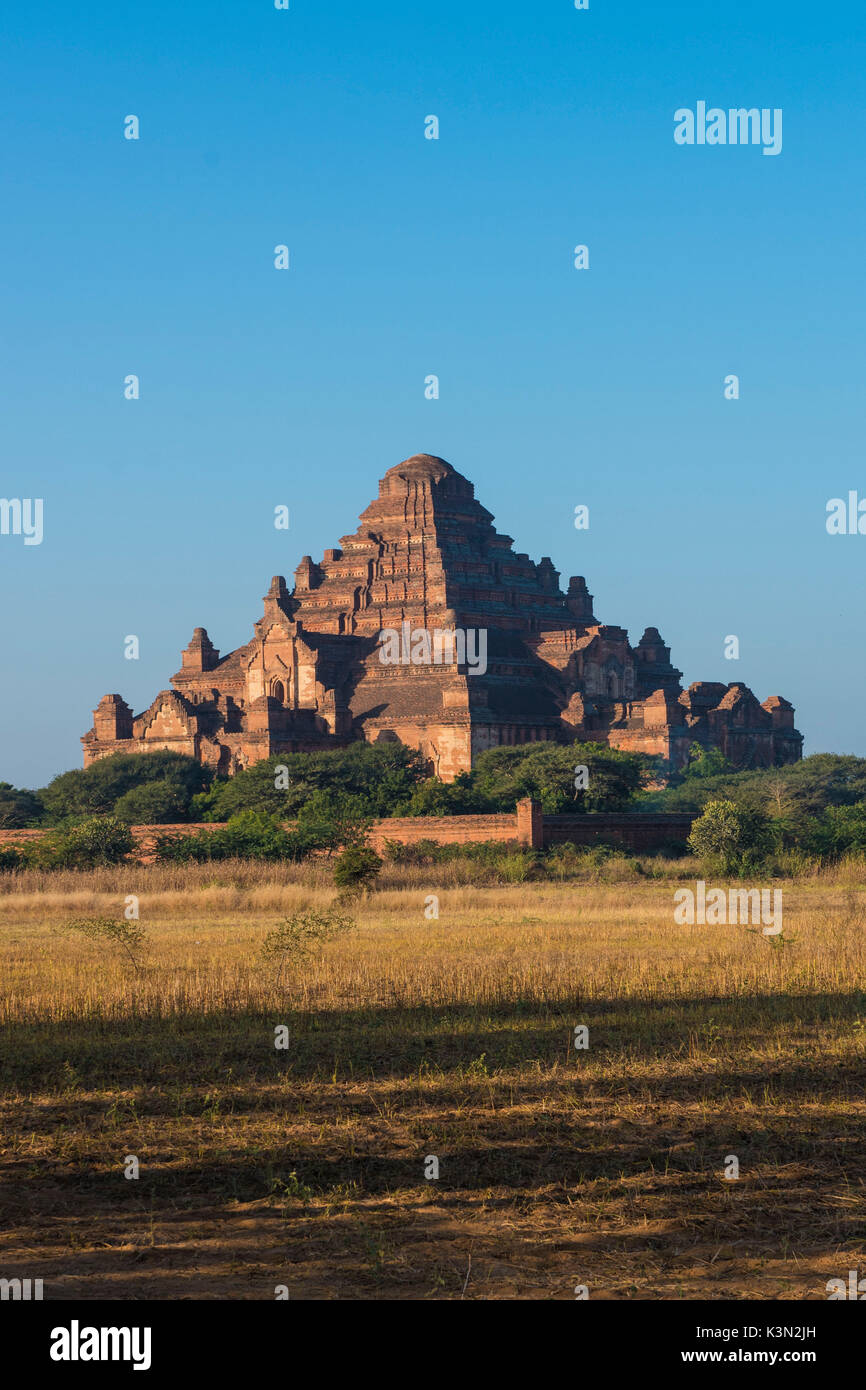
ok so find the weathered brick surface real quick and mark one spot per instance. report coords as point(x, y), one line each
point(426, 553)
point(638, 831)
point(527, 826)
point(445, 830)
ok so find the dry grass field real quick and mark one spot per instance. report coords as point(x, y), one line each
point(409, 1037)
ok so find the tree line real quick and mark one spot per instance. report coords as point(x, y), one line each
point(290, 805)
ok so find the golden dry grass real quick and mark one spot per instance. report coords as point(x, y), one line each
point(451, 1038)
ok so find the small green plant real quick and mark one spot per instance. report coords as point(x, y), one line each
point(375, 1248)
point(477, 1067)
point(779, 941)
point(779, 944)
point(290, 1189)
point(128, 936)
point(297, 937)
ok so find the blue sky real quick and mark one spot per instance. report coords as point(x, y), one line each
point(411, 257)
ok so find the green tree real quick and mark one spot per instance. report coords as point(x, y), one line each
point(730, 836)
point(96, 790)
point(547, 772)
point(435, 798)
point(707, 762)
point(333, 820)
point(838, 830)
point(18, 807)
point(801, 789)
point(381, 777)
point(154, 803)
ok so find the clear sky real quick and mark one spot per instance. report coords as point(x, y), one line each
point(411, 257)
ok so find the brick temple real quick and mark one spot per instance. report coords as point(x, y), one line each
point(427, 554)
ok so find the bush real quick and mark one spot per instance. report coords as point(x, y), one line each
point(154, 803)
point(10, 859)
point(81, 845)
point(128, 936)
point(299, 935)
point(247, 835)
point(729, 836)
point(518, 868)
point(426, 853)
point(357, 867)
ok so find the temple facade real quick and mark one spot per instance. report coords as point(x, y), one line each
point(426, 558)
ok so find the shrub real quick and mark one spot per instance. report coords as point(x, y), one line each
point(10, 859)
point(669, 849)
point(247, 835)
point(298, 936)
point(356, 867)
point(128, 936)
point(730, 836)
point(519, 867)
point(81, 845)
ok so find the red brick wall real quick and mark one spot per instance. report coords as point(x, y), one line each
point(450, 830)
point(528, 826)
point(145, 836)
point(638, 830)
